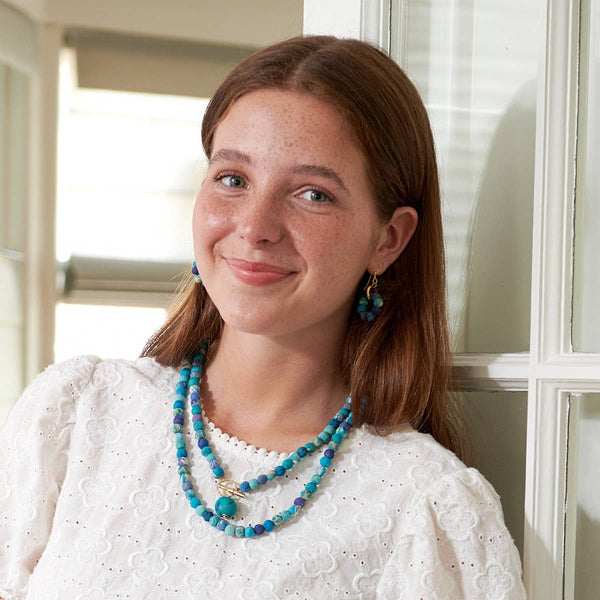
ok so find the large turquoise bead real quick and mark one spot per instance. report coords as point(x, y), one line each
point(226, 507)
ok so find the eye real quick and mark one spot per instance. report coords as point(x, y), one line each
point(232, 181)
point(316, 196)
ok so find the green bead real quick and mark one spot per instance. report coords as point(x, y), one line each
point(210, 457)
point(286, 515)
point(277, 520)
point(318, 442)
point(305, 494)
point(329, 429)
point(271, 475)
point(333, 445)
point(316, 479)
point(253, 484)
point(180, 444)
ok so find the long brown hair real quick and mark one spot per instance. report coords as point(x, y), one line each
point(401, 361)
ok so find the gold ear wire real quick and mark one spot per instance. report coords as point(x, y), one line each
point(371, 284)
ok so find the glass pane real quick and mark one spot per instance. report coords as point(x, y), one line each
point(475, 65)
point(586, 293)
point(584, 458)
point(130, 166)
point(110, 331)
point(498, 422)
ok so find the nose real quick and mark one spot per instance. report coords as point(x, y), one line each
point(259, 220)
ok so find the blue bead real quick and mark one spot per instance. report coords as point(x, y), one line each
point(207, 515)
point(300, 502)
point(218, 472)
point(262, 479)
point(194, 396)
point(178, 420)
point(280, 470)
point(181, 452)
point(259, 529)
point(245, 486)
point(345, 425)
point(334, 423)
point(187, 486)
point(329, 453)
point(287, 464)
point(249, 532)
point(326, 462)
point(221, 525)
point(302, 451)
point(202, 442)
point(269, 525)
point(226, 507)
point(213, 464)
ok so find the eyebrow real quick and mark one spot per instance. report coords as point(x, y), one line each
point(225, 154)
point(230, 154)
point(320, 171)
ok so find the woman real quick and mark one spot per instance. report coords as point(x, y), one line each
point(319, 291)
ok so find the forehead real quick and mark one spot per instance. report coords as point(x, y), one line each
point(291, 122)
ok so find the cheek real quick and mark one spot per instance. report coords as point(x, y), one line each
point(207, 223)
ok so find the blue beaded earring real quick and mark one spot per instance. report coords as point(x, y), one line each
point(197, 278)
point(370, 304)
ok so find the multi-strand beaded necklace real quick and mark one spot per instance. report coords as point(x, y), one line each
point(226, 507)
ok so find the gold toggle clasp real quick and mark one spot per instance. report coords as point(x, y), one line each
point(229, 488)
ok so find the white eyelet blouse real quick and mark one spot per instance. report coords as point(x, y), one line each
point(91, 507)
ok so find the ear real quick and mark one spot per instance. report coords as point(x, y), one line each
point(395, 235)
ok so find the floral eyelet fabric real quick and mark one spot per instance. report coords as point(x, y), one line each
point(91, 507)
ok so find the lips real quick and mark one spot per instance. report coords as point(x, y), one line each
point(257, 273)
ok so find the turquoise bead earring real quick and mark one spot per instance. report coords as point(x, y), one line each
point(197, 278)
point(370, 304)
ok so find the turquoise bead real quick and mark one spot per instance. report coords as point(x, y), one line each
point(310, 447)
point(206, 450)
point(210, 456)
point(321, 470)
point(329, 429)
point(180, 443)
point(196, 410)
point(305, 494)
point(326, 462)
point(295, 457)
point(287, 464)
point(226, 507)
point(190, 494)
point(230, 530)
point(293, 509)
point(181, 452)
point(200, 510)
point(316, 479)
point(218, 472)
point(249, 532)
point(286, 515)
point(253, 484)
point(239, 532)
point(277, 520)
point(271, 475)
point(318, 442)
point(336, 437)
point(269, 525)
point(194, 502)
point(311, 487)
point(214, 520)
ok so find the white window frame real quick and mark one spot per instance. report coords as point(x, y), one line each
point(551, 372)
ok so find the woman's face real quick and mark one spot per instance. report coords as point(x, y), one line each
point(285, 223)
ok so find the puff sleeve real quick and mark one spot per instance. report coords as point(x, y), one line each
point(34, 445)
point(454, 545)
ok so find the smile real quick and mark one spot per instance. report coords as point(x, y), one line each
point(258, 274)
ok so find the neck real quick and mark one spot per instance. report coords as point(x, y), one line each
point(273, 393)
